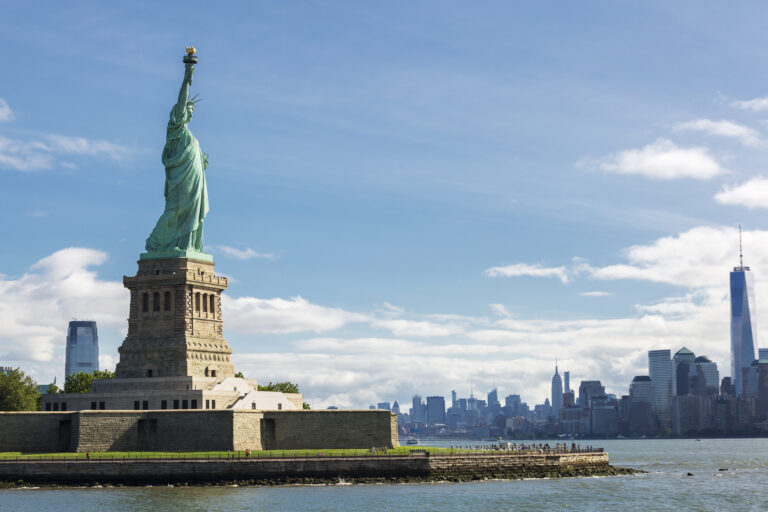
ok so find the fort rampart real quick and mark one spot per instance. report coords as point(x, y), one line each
point(195, 430)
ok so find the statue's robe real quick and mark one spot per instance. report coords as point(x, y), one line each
point(186, 194)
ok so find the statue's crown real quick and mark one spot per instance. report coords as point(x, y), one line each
point(191, 50)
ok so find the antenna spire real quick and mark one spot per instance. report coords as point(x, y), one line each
point(741, 254)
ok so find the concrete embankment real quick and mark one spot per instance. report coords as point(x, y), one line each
point(410, 468)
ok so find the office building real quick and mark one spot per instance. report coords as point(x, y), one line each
point(683, 361)
point(660, 372)
point(383, 405)
point(743, 325)
point(567, 382)
point(587, 390)
point(82, 354)
point(435, 410)
point(417, 412)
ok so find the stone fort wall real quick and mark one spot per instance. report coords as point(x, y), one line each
point(195, 430)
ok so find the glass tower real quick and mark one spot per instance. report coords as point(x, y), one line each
point(82, 348)
point(743, 325)
point(660, 372)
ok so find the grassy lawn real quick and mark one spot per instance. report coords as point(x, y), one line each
point(402, 450)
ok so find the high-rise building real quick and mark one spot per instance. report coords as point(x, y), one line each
point(493, 399)
point(642, 398)
point(557, 394)
point(454, 399)
point(435, 410)
point(642, 390)
point(417, 412)
point(743, 324)
point(82, 353)
point(396, 407)
point(383, 406)
point(587, 390)
point(683, 361)
point(704, 378)
point(762, 353)
point(567, 382)
point(660, 372)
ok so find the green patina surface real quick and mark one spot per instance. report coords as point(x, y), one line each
point(179, 230)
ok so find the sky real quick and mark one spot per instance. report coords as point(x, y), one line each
point(407, 197)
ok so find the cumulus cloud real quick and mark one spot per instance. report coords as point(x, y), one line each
point(353, 359)
point(6, 114)
point(755, 104)
point(746, 135)
point(524, 269)
point(242, 254)
point(696, 258)
point(36, 307)
point(663, 160)
point(752, 194)
point(280, 316)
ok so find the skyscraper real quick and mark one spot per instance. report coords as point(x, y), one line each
point(566, 382)
point(557, 394)
point(743, 324)
point(82, 354)
point(684, 360)
point(417, 412)
point(660, 372)
point(435, 410)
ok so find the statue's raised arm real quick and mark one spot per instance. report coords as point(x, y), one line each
point(179, 230)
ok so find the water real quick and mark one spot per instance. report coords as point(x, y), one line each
point(744, 486)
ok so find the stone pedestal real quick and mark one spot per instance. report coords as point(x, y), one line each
point(175, 322)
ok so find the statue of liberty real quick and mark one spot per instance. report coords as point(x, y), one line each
point(179, 230)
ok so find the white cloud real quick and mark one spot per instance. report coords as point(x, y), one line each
point(523, 269)
point(242, 254)
point(696, 258)
point(752, 194)
point(6, 114)
point(82, 146)
point(417, 328)
point(500, 310)
point(36, 307)
point(23, 156)
point(663, 160)
point(755, 105)
point(596, 294)
point(746, 135)
point(35, 155)
point(425, 353)
point(253, 315)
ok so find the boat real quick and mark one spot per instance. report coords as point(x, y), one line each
point(412, 440)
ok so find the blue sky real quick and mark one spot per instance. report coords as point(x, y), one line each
point(407, 197)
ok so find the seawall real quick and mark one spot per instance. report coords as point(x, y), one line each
point(287, 470)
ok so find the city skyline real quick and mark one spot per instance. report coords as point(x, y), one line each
point(402, 200)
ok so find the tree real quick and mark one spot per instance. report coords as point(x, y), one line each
point(239, 375)
point(18, 392)
point(283, 387)
point(80, 382)
point(53, 389)
point(306, 406)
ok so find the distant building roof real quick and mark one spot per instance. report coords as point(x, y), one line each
point(641, 378)
point(702, 359)
point(684, 351)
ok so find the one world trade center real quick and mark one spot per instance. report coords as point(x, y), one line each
point(743, 325)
